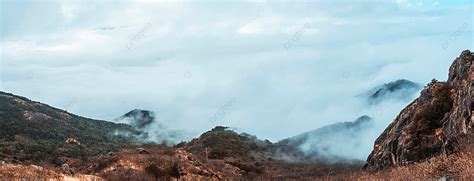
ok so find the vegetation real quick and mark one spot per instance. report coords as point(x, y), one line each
point(164, 171)
point(430, 117)
point(35, 133)
point(427, 122)
point(222, 143)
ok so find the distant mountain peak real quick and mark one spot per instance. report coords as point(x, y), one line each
point(401, 89)
point(137, 118)
point(363, 118)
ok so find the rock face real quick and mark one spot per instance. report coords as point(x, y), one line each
point(437, 122)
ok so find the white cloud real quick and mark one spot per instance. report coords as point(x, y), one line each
point(69, 11)
point(407, 4)
point(252, 28)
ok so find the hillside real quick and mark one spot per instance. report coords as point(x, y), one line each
point(260, 158)
point(217, 154)
point(223, 143)
point(34, 133)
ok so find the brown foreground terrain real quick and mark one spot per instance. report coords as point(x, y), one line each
point(168, 164)
point(432, 138)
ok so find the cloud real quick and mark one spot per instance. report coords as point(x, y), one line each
point(196, 56)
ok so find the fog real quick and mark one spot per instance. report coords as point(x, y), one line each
point(353, 139)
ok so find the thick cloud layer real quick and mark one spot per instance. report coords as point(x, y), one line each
point(271, 69)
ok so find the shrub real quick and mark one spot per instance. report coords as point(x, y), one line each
point(430, 117)
point(164, 171)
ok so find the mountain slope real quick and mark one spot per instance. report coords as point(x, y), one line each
point(438, 122)
point(324, 142)
point(32, 132)
point(262, 158)
point(221, 143)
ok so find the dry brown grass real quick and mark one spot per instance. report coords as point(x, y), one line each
point(458, 166)
point(156, 163)
point(27, 172)
point(22, 172)
point(161, 163)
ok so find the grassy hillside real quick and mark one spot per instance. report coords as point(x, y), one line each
point(32, 132)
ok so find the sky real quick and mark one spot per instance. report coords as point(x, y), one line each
point(270, 68)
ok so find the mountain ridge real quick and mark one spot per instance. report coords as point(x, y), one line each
point(32, 132)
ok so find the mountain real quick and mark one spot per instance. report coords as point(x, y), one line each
point(254, 157)
point(32, 132)
point(401, 89)
point(151, 130)
point(217, 154)
point(137, 118)
point(438, 123)
point(325, 142)
point(220, 143)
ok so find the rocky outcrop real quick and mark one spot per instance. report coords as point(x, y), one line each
point(66, 169)
point(437, 122)
point(72, 141)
